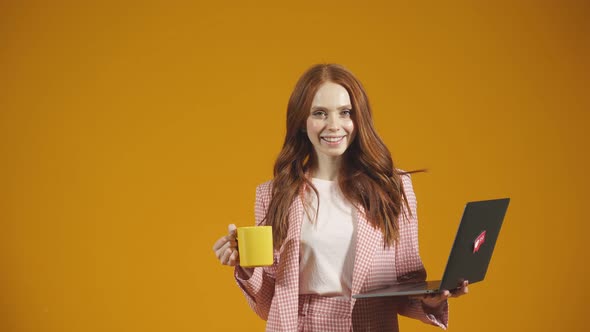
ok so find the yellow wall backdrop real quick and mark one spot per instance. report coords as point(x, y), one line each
point(132, 133)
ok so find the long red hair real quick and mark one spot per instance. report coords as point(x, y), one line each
point(367, 177)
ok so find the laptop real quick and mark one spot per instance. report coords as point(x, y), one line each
point(470, 255)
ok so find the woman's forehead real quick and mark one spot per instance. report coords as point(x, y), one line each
point(330, 95)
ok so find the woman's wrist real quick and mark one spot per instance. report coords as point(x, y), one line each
point(244, 273)
point(434, 309)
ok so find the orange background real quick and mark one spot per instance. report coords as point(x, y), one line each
point(132, 134)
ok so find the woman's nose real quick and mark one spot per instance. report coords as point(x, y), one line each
point(333, 123)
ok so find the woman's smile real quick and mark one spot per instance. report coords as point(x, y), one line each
point(332, 140)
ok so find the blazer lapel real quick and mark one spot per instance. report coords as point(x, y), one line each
point(287, 291)
point(368, 238)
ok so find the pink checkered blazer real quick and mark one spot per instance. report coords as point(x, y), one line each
point(273, 292)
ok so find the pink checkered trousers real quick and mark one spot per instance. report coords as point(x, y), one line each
point(273, 291)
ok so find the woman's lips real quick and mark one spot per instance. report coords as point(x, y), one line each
point(332, 140)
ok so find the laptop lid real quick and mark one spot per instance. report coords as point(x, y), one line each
point(470, 255)
point(474, 243)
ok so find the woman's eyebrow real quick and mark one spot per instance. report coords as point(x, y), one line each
point(322, 108)
point(318, 108)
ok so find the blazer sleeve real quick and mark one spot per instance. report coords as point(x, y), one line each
point(260, 287)
point(412, 264)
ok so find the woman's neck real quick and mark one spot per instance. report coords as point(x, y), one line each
point(327, 168)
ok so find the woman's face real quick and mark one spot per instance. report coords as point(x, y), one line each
point(329, 125)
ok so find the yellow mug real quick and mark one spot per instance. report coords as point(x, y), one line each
point(255, 246)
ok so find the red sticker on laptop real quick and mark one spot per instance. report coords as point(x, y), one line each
point(481, 238)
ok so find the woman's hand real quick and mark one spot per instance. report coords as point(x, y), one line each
point(226, 248)
point(434, 301)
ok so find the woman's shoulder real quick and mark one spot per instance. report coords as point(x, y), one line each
point(408, 187)
point(264, 189)
point(265, 185)
point(405, 176)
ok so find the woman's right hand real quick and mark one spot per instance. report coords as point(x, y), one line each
point(226, 248)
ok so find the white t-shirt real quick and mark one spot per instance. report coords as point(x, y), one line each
point(327, 243)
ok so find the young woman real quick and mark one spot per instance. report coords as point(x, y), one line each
point(343, 217)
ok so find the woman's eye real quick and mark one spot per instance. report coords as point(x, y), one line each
point(346, 113)
point(319, 114)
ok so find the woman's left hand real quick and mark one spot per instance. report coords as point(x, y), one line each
point(434, 301)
